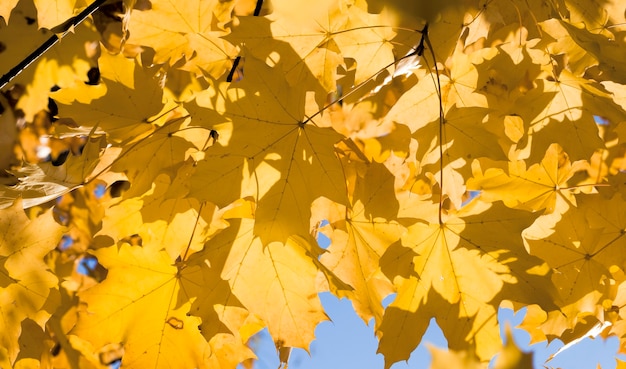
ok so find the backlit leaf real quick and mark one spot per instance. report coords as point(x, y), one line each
point(25, 281)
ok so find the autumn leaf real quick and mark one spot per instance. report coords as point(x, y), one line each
point(511, 357)
point(304, 49)
point(169, 337)
point(579, 250)
point(284, 160)
point(445, 261)
point(188, 31)
point(135, 93)
point(53, 13)
point(277, 282)
point(450, 359)
point(6, 8)
point(359, 238)
point(25, 280)
point(183, 231)
point(534, 188)
point(569, 112)
point(19, 34)
point(45, 182)
point(220, 310)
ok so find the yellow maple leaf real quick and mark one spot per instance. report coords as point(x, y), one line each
point(502, 90)
point(6, 8)
point(161, 150)
point(138, 307)
point(65, 63)
point(534, 188)
point(448, 359)
point(221, 311)
point(275, 281)
point(126, 85)
point(281, 159)
point(185, 30)
point(511, 357)
point(581, 248)
point(304, 49)
point(25, 281)
point(565, 108)
point(180, 226)
point(360, 237)
point(51, 13)
point(19, 36)
point(40, 183)
point(444, 263)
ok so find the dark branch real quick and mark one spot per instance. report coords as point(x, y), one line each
point(73, 22)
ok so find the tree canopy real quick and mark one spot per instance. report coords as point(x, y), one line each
point(176, 162)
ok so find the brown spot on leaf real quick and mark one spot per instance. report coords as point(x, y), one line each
point(175, 323)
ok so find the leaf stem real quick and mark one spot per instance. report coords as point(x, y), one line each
point(131, 147)
point(193, 232)
point(375, 26)
point(357, 87)
point(441, 118)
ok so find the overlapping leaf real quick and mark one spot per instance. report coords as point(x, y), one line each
point(534, 188)
point(360, 237)
point(45, 182)
point(277, 282)
point(187, 31)
point(145, 316)
point(582, 248)
point(127, 86)
point(444, 264)
point(25, 281)
point(273, 154)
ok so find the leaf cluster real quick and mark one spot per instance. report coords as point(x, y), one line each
point(464, 155)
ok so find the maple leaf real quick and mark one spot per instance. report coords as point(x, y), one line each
point(358, 240)
point(304, 49)
point(61, 67)
point(534, 188)
point(146, 318)
point(446, 359)
point(511, 357)
point(276, 281)
point(55, 12)
point(64, 63)
point(221, 311)
point(25, 281)
point(567, 106)
point(162, 150)
point(6, 8)
point(19, 35)
point(489, 20)
point(509, 123)
point(40, 183)
point(175, 232)
point(127, 86)
point(185, 31)
point(446, 261)
point(281, 159)
point(580, 248)
point(585, 49)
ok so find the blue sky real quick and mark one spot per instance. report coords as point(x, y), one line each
point(347, 342)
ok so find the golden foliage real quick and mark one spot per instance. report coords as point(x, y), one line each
point(463, 154)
